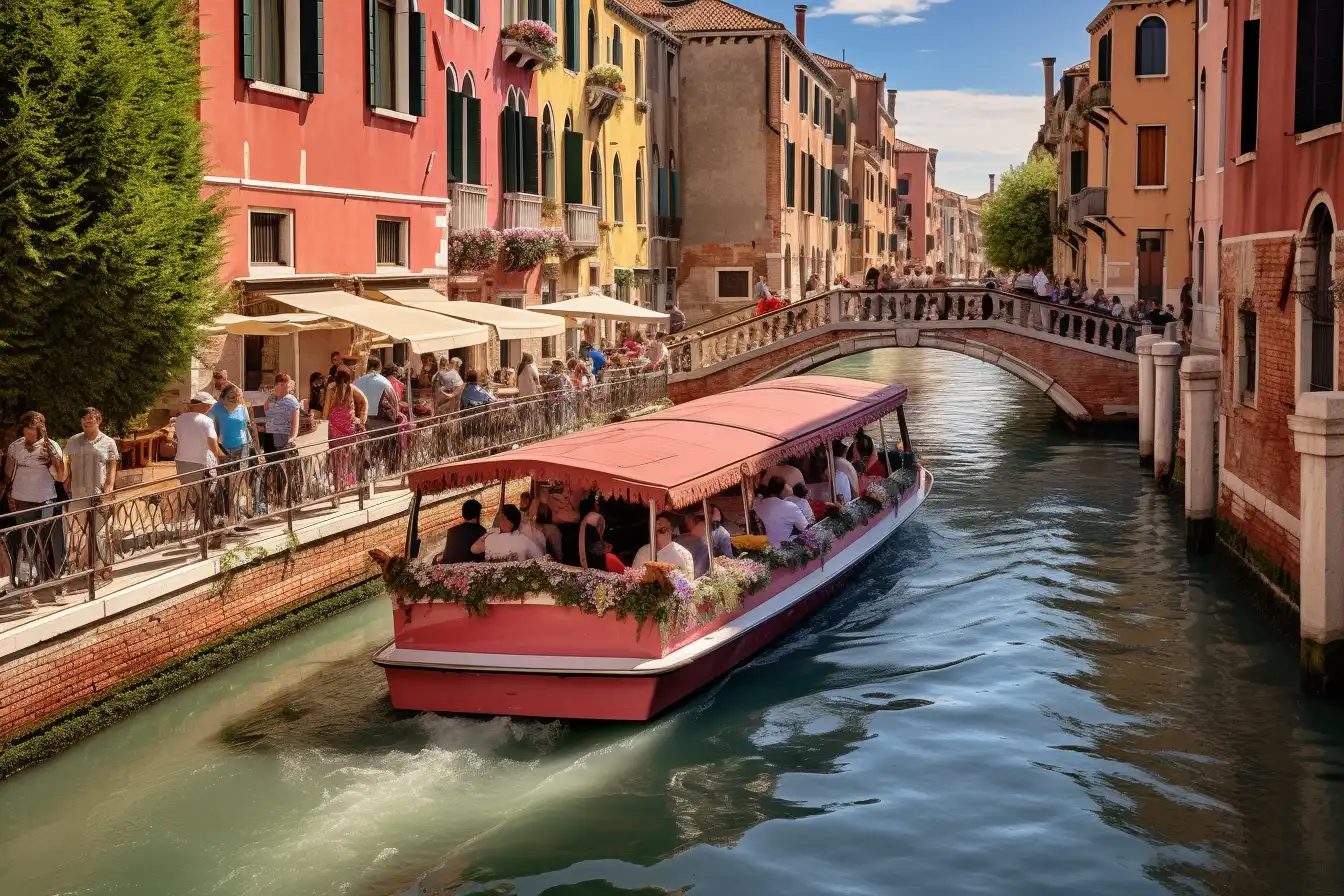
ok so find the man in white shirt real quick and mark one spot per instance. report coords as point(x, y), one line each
point(669, 551)
point(790, 474)
point(505, 542)
point(197, 441)
point(780, 518)
point(1041, 284)
point(800, 501)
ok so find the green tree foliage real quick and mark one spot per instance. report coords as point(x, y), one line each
point(109, 255)
point(1016, 223)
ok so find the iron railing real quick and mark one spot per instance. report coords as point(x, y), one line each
point(77, 543)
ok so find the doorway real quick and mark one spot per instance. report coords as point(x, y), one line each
point(1152, 261)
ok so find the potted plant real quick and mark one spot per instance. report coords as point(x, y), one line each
point(641, 105)
point(523, 248)
point(604, 88)
point(531, 44)
point(603, 225)
point(472, 250)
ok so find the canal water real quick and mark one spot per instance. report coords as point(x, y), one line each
point(1030, 690)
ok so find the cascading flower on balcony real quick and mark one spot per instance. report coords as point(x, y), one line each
point(538, 37)
point(560, 246)
point(473, 250)
point(523, 248)
point(606, 75)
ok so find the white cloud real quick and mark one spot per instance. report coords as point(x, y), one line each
point(976, 134)
point(877, 12)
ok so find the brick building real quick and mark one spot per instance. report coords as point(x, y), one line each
point(1280, 259)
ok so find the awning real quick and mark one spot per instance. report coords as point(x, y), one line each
point(425, 331)
point(274, 324)
point(509, 323)
point(692, 451)
point(603, 308)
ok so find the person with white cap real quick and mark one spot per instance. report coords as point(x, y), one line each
point(198, 449)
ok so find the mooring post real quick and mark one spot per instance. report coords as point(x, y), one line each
point(1318, 436)
point(1199, 400)
point(1166, 355)
point(1145, 350)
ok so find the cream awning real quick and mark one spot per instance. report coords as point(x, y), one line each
point(424, 330)
point(509, 323)
point(603, 308)
point(274, 324)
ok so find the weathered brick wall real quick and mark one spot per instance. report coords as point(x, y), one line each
point(1094, 380)
point(1278, 550)
point(54, 675)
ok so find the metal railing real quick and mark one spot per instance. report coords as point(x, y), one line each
point(470, 207)
point(581, 224)
point(522, 210)
point(77, 543)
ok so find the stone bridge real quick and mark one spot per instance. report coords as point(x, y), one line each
point(1083, 361)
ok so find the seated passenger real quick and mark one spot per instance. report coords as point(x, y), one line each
point(790, 474)
point(723, 541)
point(694, 542)
point(505, 542)
point(551, 532)
point(459, 539)
point(668, 551)
point(801, 501)
point(529, 526)
point(780, 518)
point(846, 489)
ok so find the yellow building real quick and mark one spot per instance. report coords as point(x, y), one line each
point(605, 183)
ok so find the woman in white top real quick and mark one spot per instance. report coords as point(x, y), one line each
point(33, 466)
point(505, 542)
point(529, 380)
point(669, 551)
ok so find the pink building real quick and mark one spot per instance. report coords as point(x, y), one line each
point(1211, 158)
point(915, 170)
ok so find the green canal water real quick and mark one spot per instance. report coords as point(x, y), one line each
point(1030, 690)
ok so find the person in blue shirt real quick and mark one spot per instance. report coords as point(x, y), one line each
point(599, 360)
point(233, 423)
point(473, 393)
point(372, 385)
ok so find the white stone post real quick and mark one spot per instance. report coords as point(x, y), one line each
point(1145, 350)
point(1199, 400)
point(1318, 436)
point(1166, 355)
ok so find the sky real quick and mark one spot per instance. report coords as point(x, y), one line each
point(968, 71)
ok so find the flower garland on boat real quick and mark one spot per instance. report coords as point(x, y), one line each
point(655, 593)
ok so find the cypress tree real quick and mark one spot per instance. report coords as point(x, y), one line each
point(109, 254)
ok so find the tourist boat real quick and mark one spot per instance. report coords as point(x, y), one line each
point(535, 638)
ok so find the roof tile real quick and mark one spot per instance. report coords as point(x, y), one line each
point(718, 15)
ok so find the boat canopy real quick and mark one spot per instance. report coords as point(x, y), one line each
point(689, 452)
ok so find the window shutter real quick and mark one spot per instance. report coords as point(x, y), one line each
point(572, 35)
point(674, 193)
point(471, 11)
point(531, 178)
point(310, 45)
point(790, 173)
point(508, 142)
point(1250, 86)
point(573, 145)
point(417, 62)
point(825, 193)
point(1329, 63)
point(662, 192)
point(371, 50)
point(473, 140)
point(455, 141)
point(247, 12)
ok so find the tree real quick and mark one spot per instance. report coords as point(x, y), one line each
point(109, 254)
point(1016, 222)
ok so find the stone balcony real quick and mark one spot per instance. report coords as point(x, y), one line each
point(520, 54)
point(470, 207)
point(581, 225)
point(1089, 202)
point(521, 210)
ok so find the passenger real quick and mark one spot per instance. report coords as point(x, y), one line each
point(800, 500)
point(504, 542)
point(780, 518)
point(846, 477)
point(863, 454)
point(550, 531)
point(693, 540)
point(459, 539)
point(790, 474)
point(668, 551)
point(529, 526)
point(584, 546)
point(723, 542)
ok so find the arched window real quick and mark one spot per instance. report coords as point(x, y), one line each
point(639, 190)
point(464, 130)
point(547, 153)
point(1151, 47)
point(592, 38)
point(1200, 261)
point(639, 71)
point(1321, 312)
point(595, 182)
point(1201, 125)
point(452, 78)
point(617, 51)
point(617, 193)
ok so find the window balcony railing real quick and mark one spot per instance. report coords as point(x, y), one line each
point(668, 227)
point(469, 207)
point(581, 225)
point(522, 210)
point(1100, 95)
point(1089, 202)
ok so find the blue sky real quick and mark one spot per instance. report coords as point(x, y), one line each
point(968, 71)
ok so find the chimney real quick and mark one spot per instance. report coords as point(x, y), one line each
point(800, 22)
point(991, 185)
point(1048, 63)
point(891, 103)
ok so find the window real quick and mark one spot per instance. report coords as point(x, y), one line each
point(1250, 85)
point(1200, 261)
point(464, 132)
point(930, 243)
point(1151, 47)
point(903, 186)
point(269, 40)
point(617, 194)
point(816, 103)
point(1321, 309)
point(385, 78)
point(733, 283)
point(639, 71)
point(1104, 57)
point(790, 173)
point(1203, 12)
point(592, 38)
point(826, 118)
point(1248, 355)
point(802, 92)
point(270, 238)
point(1152, 157)
point(395, 66)
point(1320, 55)
point(671, 73)
point(572, 62)
point(639, 191)
point(1222, 112)
point(1201, 113)
point(595, 181)
point(391, 237)
point(617, 52)
point(547, 153)
point(787, 80)
point(467, 10)
point(1077, 171)
point(281, 42)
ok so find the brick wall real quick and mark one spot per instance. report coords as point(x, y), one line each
point(1094, 380)
point(82, 664)
point(1278, 550)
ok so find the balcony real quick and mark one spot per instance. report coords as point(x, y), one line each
point(1089, 202)
point(520, 54)
point(581, 225)
point(1099, 95)
point(522, 210)
point(469, 207)
point(667, 227)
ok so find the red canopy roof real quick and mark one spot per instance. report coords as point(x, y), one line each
point(685, 453)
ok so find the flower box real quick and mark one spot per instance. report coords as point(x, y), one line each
point(530, 45)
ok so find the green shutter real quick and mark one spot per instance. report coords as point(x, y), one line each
point(471, 11)
point(531, 173)
point(825, 193)
point(508, 141)
point(662, 192)
point(674, 193)
point(572, 35)
point(247, 12)
point(790, 173)
point(371, 49)
point(473, 141)
point(573, 145)
point(455, 159)
point(417, 61)
point(310, 45)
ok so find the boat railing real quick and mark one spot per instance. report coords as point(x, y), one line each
point(80, 544)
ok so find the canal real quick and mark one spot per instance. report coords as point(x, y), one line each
point(1031, 690)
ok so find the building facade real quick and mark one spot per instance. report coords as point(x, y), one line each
point(1211, 104)
point(1280, 261)
point(916, 175)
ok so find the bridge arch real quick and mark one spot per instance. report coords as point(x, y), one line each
point(860, 344)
